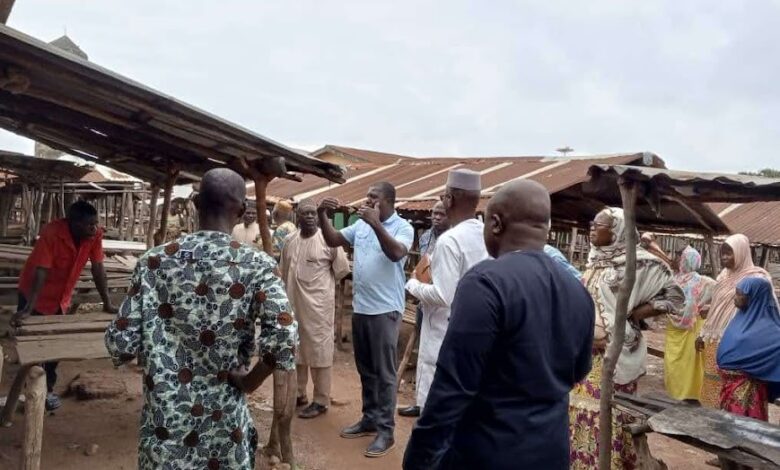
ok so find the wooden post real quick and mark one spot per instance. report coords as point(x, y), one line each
point(121, 218)
point(261, 183)
point(285, 393)
point(161, 236)
point(714, 258)
point(13, 397)
point(764, 262)
point(152, 216)
point(339, 320)
point(62, 199)
point(573, 244)
point(5, 9)
point(405, 358)
point(33, 419)
point(628, 191)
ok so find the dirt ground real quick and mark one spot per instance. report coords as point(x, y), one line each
point(112, 424)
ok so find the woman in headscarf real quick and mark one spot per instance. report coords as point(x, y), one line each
point(749, 352)
point(683, 365)
point(737, 265)
point(655, 293)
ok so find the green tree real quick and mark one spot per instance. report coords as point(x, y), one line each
point(766, 172)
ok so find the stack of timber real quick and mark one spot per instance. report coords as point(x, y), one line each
point(746, 441)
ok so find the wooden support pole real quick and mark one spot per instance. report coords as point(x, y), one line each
point(34, 408)
point(13, 397)
point(406, 356)
point(628, 192)
point(764, 262)
point(5, 10)
point(714, 257)
point(261, 183)
point(285, 394)
point(152, 216)
point(161, 236)
point(573, 244)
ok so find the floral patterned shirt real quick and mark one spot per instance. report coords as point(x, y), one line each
point(195, 310)
point(279, 235)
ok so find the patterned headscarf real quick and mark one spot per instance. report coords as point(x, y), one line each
point(605, 254)
point(697, 288)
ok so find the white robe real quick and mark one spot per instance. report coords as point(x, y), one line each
point(457, 250)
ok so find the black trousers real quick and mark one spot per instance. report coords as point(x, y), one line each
point(375, 338)
point(49, 367)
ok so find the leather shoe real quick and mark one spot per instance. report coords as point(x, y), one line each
point(359, 429)
point(381, 446)
point(301, 401)
point(410, 411)
point(312, 411)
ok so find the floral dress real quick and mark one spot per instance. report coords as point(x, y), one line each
point(194, 312)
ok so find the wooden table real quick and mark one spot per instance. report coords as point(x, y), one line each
point(42, 339)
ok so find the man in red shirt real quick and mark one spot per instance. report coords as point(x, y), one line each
point(53, 269)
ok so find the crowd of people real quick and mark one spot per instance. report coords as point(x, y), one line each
point(512, 336)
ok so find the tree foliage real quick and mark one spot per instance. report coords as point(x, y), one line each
point(766, 172)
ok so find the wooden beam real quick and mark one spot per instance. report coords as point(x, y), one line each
point(155, 193)
point(166, 208)
point(628, 192)
point(261, 183)
point(5, 10)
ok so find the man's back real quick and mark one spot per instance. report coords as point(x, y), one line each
point(519, 338)
point(191, 318)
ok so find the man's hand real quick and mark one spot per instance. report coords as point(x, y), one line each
point(369, 215)
point(328, 204)
point(16, 319)
point(236, 377)
point(109, 308)
point(699, 344)
point(641, 312)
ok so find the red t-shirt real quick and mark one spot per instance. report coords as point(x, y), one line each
point(56, 251)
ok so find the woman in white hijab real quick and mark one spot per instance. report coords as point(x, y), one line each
point(655, 293)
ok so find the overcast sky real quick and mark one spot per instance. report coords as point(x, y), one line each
point(694, 81)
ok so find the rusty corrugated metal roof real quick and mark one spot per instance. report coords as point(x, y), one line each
point(360, 155)
point(423, 179)
point(759, 221)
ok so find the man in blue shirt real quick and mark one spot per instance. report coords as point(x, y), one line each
point(380, 240)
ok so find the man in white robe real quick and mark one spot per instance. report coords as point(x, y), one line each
point(456, 251)
point(310, 270)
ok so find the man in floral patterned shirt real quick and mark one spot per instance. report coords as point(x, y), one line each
point(192, 317)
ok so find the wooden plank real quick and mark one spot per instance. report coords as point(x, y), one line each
point(60, 328)
point(34, 352)
point(88, 298)
point(70, 336)
point(720, 429)
point(60, 319)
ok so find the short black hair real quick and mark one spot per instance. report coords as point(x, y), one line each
point(386, 189)
point(80, 211)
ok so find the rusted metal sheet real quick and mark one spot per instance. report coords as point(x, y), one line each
point(759, 221)
point(30, 168)
point(75, 106)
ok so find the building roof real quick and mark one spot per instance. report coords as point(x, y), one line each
point(359, 155)
point(66, 44)
point(759, 221)
point(423, 179)
point(31, 169)
point(75, 106)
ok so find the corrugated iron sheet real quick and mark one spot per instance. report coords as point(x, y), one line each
point(759, 221)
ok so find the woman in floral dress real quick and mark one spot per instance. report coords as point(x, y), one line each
point(683, 365)
point(655, 293)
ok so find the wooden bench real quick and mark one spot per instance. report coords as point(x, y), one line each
point(42, 339)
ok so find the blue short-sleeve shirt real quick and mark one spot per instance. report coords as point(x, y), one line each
point(377, 282)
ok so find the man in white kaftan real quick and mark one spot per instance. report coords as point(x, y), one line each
point(310, 270)
point(457, 250)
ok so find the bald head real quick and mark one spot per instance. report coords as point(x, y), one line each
point(517, 217)
point(221, 196)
